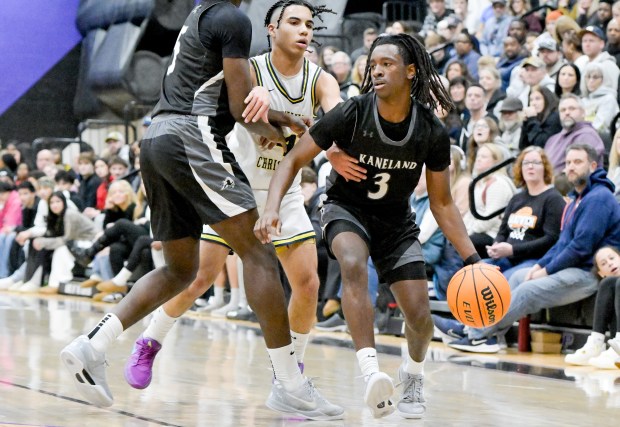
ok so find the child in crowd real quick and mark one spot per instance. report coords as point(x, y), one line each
point(607, 266)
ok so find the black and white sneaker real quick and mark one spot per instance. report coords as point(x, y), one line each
point(448, 329)
point(87, 368)
point(473, 345)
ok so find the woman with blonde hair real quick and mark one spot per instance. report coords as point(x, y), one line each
point(359, 67)
point(459, 179)
point(485, 130)
point(490, 194)
point(531, 221)
point(124, 223)
point(491, 81)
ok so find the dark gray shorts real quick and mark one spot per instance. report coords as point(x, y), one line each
point(190, 176)
point(392, 241)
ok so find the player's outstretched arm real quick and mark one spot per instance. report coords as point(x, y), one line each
point(269, 223)
point(239, 85)
point(447, 214)
point(328, 94)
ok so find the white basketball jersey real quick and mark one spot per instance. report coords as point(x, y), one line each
point(294, 95)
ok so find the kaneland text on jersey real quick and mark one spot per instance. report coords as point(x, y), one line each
point(383, 163)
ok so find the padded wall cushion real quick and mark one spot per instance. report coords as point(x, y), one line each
point(85, 103)
point(94, 14)
point(145, 75)
point(172, 14)
point(111, 60)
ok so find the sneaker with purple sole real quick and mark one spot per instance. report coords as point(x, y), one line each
point(139, 366)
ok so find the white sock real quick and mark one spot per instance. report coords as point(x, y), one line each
point(413, 367)
point(285, 367)
point(618, 335)
point(367, 359)
point(218, 295)
point(122, 277)
point(598, 337)
point(159, 326)
point(234, 297)
point(300, 341)
point(107, 331)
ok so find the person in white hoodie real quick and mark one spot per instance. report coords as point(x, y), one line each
point(599, 99)
point(593, 44)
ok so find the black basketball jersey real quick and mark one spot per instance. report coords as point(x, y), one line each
point(194, 81)
point(393, 167)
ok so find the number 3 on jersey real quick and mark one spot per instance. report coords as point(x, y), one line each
point(381, 180)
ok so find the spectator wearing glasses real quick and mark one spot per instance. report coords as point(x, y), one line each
point(531, 221)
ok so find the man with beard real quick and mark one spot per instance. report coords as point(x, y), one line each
point(574, 130)
point(510, 123)
point(563, 275)
point(613, 39)
point(511, 58)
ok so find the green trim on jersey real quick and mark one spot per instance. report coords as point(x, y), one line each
point(259, 78)
point(315, 101)
point(281, 88)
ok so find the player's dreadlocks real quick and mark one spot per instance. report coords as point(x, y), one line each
point(426, 87)
point(316, 11)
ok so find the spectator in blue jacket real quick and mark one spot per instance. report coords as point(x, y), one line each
point(563, 275)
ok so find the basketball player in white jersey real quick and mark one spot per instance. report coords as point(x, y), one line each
point(299, 87)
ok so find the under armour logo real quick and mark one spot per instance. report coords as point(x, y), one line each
point(227, 183)
point(368, 134)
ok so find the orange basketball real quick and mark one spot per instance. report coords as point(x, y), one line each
point(478, 295)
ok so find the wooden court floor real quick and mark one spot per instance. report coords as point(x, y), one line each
point(216, 373)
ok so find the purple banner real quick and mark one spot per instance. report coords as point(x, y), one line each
point(34, 36)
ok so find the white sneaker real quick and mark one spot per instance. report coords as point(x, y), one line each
point(379, 389)
point(605, 360)
point(87, 368)
point(305, 401)
point(412, 405)
point(615, 344)
point(15, 286)
point(29, 287)
point(223, 311)
point(584, 354)
point(6, 283)
point(211, 306)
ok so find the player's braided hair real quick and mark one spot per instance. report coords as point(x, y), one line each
point(314, 10)
point(426, 86)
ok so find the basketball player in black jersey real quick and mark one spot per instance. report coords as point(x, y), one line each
point(192, 178)
point(391, 132)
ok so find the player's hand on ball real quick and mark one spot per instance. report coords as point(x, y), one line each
point(257, 105)
point(268, 225)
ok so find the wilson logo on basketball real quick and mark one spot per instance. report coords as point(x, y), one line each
point(490, 305)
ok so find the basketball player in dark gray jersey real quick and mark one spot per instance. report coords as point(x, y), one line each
point(191, 178)
point(390, 132)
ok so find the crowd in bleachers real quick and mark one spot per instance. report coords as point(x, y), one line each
point(527, 81)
